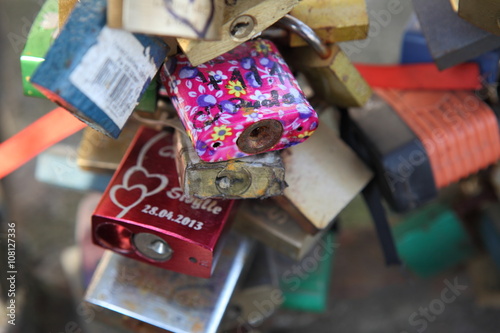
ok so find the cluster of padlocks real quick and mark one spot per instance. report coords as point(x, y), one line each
point(214, 123)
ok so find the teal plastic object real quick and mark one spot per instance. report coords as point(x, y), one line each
point(432, 240)
point(305, 284)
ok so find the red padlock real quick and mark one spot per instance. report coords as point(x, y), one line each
point(144, 214)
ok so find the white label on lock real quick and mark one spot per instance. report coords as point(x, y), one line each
point(113, 72)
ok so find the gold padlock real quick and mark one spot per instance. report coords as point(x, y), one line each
point(484, 14)
point(332, 20)
point(200, 19)
point(328, 69)
point(242, 21)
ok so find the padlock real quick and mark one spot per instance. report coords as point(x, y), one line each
point(451, 39)
point(169, 300)
point(482, 13)
point(255, 176)
point(65, 8)
point(41, 35)
point(428, 140)
point(97, 73)
point(323, 175)
point(274, 227)
point(328, 69)
point(332, 20)
point(305, 284)
point(242, 21)
point(56, 166)
point(200, 19)
point(100, 153)
point(259, 290)
point(242, 103)
point(145, 215)
point(446, 240)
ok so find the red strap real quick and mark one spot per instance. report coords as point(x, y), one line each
point(421, 76)
point(31, 141)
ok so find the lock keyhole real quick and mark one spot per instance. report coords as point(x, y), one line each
point(242, 27)
point(260, 136)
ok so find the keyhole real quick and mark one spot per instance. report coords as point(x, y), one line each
point(242, 27)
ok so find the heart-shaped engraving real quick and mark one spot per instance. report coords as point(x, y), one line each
point(178, 10)
point(127, 197)
point(153, 183)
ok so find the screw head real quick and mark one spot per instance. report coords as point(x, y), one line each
point(152, 247)
point(242, 27)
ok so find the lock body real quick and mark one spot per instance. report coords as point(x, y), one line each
point(145, 215)
point(255, 176)
point(242, 21)
point(242, 103)
point(97, 73)
point(482, 13)
point(323, 175)
point(333, 21)
point(427, 141)
point(168, 300)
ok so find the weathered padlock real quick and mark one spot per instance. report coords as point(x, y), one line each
point(274, 227)
point(428, 140)
point(97, 73)
point(327, 68)
point(323, 175)
point(172, 301)
point(255, 176)
point(145, 215)
point(242, 103)
point(451, 39)
point(243, 20)
point(199, 19)
point(332, 20)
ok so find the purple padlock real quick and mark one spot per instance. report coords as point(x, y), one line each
point(241, 103)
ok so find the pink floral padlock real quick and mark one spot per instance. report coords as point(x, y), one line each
point(241, 103)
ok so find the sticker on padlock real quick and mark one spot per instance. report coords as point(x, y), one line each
point(332, 20)
point(428, 140)
point(327, 68)
point(256, 176)
point(323, 175)
point(97, 73)
point(243, 20)
point(270, 224)
point(145, 215)
point(451, 39)
point(199, 19)
point(169, 300)
point(242, 103)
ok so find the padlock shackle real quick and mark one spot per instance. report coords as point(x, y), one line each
point(303, 30)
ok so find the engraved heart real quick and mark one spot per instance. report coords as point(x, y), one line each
point(175, 7)
point(153, 183)
point(127, 197)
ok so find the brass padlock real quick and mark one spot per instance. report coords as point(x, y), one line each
point(242, 21)
point(255, 176)
point(332, 20)
point(327, 68)
point(201, 19)
point(65, 8)
point(484, 14)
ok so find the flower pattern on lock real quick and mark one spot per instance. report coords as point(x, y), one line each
point(217, 100)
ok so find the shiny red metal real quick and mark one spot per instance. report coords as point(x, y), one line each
point(144, 214)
